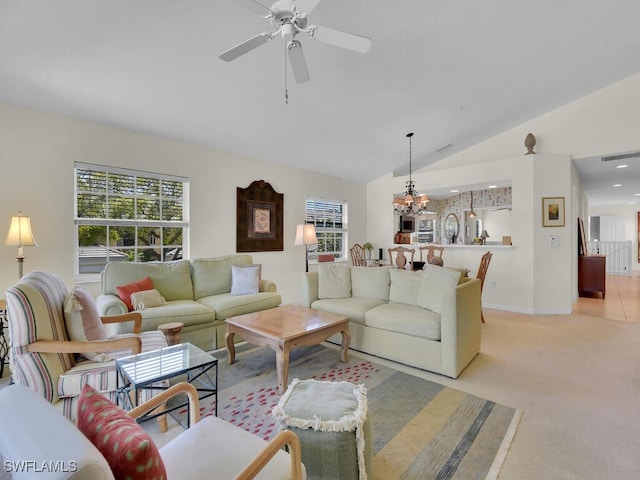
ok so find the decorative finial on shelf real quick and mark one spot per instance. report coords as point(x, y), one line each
point(530, 142)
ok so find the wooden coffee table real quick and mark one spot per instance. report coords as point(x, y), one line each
point(285, 328)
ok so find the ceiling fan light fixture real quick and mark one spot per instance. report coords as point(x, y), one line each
point(288, 19)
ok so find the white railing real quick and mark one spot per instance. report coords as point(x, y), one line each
point(618, 255)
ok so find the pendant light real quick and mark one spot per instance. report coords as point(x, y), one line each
point(410, 202)
point(471, 213)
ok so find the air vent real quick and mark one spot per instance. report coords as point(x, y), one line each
point(621, 156)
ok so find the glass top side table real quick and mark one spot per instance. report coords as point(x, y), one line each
point(146, 371)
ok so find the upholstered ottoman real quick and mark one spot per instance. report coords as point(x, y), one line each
point(331, 421)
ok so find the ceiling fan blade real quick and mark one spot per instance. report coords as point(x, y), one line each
point(245, 47)
point(350, 41)
point(298, 63)
point(305, 6)
point(256, 7)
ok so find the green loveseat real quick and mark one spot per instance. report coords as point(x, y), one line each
point(197, 292)
point(426, 319)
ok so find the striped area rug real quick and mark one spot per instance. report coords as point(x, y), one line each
point(421, 430)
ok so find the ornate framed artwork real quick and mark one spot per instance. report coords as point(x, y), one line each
point(553, 211)
point(259, 222)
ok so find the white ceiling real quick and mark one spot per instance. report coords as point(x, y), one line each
point(613, 182)
point(451, 71)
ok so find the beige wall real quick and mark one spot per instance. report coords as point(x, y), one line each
point(37, 154)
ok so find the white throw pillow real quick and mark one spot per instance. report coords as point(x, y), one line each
point(370, 282)
point(147, 299)
point(245, 279)
point(83, 321)
point(436, 284)
point(405, 285)
point(334, 281)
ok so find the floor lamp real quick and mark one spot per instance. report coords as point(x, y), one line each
point(20, 236)
point(306, 235)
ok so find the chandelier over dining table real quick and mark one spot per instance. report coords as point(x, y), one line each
point(411, 202)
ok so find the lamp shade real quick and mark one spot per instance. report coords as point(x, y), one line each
point(20, 232)
point(484, 234)
point(306, 234)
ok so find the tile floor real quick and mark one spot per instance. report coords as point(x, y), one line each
point(621, 302)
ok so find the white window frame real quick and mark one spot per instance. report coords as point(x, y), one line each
point(135, 222)
point(318, 210)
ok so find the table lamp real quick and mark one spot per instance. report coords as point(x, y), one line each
point(484, 235)
point(20, 236)
point(306, 235)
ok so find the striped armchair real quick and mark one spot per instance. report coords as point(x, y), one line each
point(45, 360)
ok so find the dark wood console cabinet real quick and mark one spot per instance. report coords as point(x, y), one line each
point(591, 274)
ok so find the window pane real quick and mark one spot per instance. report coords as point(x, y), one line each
point(122, 236)
point(93, 254)
point(90, 235)
point(126, 255)
point(148, 209)
point(91, 206)
point(171, 254)
point(322, 244)
point(121, 208)
point(172, 236)
point(122, 184)
point(91, 261)
point(149, 236)
point(89, 180)
point(172, 210)
point(148, 255)
point(148, 186)
point(172, 189)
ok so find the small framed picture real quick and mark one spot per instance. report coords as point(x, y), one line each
point(553, 211)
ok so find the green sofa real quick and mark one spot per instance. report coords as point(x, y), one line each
point(429, 319)
point(198, 294)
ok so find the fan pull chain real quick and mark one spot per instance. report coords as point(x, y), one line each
point(286, 92)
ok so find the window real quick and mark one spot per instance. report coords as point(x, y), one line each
point(330, 220)
point(124, 215)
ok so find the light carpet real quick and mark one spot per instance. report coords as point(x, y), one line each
point(421, 429)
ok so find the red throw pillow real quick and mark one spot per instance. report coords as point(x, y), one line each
point(125, 291)
point(128, 449)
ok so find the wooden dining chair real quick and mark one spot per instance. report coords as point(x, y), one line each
point(433, 251)
point(482, 272)
point(401, 260)
point(358, 256)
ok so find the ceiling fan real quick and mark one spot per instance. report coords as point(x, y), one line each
point(289, 18)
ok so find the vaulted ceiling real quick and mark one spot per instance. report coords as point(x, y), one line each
point(453, 72)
